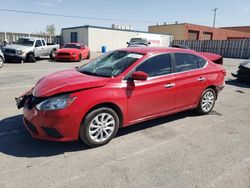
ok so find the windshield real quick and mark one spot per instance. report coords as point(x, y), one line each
point(138, 40)
point(111, 64)
point(25, 42)
point(77, 46)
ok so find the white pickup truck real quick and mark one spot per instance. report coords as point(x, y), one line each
point(28, 49)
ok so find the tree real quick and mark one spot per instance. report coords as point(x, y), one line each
point(51, 29)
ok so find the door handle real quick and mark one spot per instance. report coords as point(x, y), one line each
point(201, 79)
point(169, 85)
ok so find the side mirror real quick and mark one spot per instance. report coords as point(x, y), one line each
point(128, 43)
point(149, 42)
point(139, 75)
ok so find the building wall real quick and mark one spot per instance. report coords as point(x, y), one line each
point(240, 28)
point(96, 37)
point(177, 30)
point(115, 39)
point(181, 32)
point(218, 34)
point(82, 35)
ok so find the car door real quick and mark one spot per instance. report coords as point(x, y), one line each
point(155, 95)
point(45, 48)
point(38, 48)
point(189, 79)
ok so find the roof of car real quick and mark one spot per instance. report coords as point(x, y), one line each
point(75, 43)
point(148, 50)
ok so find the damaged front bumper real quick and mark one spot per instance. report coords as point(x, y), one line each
point(56, 125)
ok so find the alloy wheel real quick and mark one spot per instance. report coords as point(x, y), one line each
point(101, 127)
point(207, 101)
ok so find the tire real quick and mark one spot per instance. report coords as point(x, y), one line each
point(79, 58)
point(52, 54)
point(88, 56)
point(30, 58)
point(1, 62)
point(207, 102)
point(104, 124)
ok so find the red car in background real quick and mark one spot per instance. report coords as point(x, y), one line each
point(73, 52)
point(118, 89)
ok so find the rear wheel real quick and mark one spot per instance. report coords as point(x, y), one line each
point(1, 62)
point(206, 102)
point(99, 127)
point(52, 54)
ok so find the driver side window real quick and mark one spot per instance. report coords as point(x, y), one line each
point(156, 66)
point(38, 43)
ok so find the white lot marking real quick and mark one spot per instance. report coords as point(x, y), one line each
point(16, 87)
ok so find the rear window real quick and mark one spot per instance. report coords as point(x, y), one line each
point(202, 62)
point(185, 62)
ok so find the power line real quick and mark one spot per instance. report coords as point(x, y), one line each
point(72, 16)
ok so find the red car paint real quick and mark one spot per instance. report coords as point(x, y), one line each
point(137, 101)
point(216, 58)
point(73, 52)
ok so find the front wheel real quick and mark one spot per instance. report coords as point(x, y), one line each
point(88, 56)
point(30, 58)
point(99, 127)
point(79, 58)
point(207, 101)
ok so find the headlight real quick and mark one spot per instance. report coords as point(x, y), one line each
point(74, 54)
point(55, 103)
point(20, 52)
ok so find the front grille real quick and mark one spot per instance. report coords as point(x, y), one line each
point(52, 132)
point(31, 127)
point(10, 51)
point(64, 53)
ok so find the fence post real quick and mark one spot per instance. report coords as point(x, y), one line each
point(220, 48)
point(200, 45)
point(242, 49)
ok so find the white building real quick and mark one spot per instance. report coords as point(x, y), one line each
point(97, 37)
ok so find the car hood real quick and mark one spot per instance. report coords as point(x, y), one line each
point(68, 50)
point(16, 47)
point(66, 81)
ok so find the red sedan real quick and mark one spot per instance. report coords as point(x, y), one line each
point(73, 52)
point(118, 89)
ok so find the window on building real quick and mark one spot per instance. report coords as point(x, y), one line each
point(207, 36)
point(193, 35)
point(185, 62)
point(74, 36)
point(156, 66)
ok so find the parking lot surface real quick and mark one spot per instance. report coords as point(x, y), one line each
point(181, 150)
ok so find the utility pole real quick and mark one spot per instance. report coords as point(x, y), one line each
point(214, 10)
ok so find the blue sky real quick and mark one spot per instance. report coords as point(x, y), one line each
point(230, 13)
